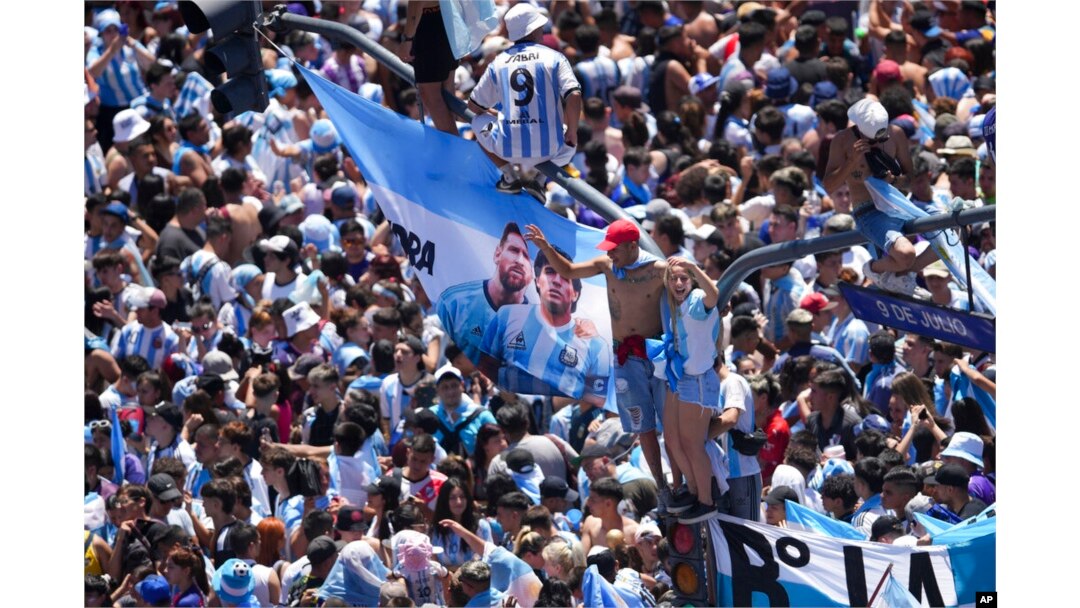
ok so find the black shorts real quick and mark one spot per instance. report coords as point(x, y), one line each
point(433, 61)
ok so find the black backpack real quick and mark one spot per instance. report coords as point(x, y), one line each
point(451, 440)
point(303, 478)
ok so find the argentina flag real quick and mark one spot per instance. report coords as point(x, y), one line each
point(890, 201)
point(495, 294)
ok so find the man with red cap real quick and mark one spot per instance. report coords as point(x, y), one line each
point(635, 280)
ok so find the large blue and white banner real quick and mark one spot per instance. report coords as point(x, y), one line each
point(529, 329)
point(763, 565)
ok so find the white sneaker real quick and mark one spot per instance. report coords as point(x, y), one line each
point(899, 283)
point(875, 277)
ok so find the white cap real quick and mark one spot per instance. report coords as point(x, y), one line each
point(277, 244)
point(298, 318)
point(870, 117)
point(703, 232)
point(448, 369)
point(522, 19)
point(127, 125)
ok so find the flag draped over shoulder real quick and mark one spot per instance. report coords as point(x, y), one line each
point(596, 591)
point(889, 200)
point(511, 575)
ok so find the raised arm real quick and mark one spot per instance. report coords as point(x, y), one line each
point(475, 542)
point(566, 268)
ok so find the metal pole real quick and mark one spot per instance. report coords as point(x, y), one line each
point(794, 250)
point(280, 21)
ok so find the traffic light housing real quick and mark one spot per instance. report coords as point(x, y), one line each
point(686, 558)
point(235, 51)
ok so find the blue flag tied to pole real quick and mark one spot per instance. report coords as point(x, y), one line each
point(984, 288)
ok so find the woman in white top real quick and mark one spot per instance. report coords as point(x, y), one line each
point(691, 324)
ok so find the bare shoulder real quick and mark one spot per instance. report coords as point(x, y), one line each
point(629, 527)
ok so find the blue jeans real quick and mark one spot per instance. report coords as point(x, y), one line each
point(881, 228)
point(639, 395)
point(702, 389)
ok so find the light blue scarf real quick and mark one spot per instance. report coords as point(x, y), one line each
point(644, 258)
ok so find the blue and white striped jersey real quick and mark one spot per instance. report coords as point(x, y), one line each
point(798, 119)
point(148, 107)
point(697, 331)
point(851, 337)
point(783, 297)
point(527, 83)
point(277, 123)
point(465, 310)
point(151, 344)
point(735, 393)
point(538, 359)
point(599, 76)
point(216, 282)
point(121, 82)
point(93, 172)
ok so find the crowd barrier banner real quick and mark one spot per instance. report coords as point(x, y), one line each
point(534, 331)
point(763, 565)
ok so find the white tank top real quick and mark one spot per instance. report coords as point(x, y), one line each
point(262, 582)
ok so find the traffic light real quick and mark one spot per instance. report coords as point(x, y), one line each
point(687, 561)
point(235, 51)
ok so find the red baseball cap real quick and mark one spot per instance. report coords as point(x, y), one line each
point(619, 232)
point(816, 302)
point(887, 71)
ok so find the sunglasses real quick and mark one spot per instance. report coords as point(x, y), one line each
point(100, 424)
point(352, 241)
point(204, 326)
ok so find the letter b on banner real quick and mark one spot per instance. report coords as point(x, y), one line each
point(747, 578)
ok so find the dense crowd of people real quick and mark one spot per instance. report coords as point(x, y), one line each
point(276, 415)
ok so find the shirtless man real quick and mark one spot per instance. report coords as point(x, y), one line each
point(874, 148)
point(896, 50)
point(635, 281)
point(603, 504)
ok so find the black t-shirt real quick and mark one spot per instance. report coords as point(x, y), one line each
point(642, 494)
point(322, 428)
point(842, 428)
point(972, 508)
point(178, 242)
point(177, 310)
point(810, 70)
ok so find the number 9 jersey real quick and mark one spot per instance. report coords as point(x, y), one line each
point(528, 84)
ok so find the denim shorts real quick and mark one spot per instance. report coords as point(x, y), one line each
point(702, 389)
point(882, 229)
point(639, 395)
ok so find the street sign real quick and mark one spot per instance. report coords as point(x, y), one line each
point(973, 330)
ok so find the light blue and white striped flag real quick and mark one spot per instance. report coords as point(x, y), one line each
point(889, 200)
point(896, 595)
point(812, 521)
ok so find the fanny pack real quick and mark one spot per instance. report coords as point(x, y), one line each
point(748, 444)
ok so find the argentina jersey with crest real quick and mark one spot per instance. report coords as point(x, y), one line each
point(465, 311)
point(530, 81)
point(538, 359)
